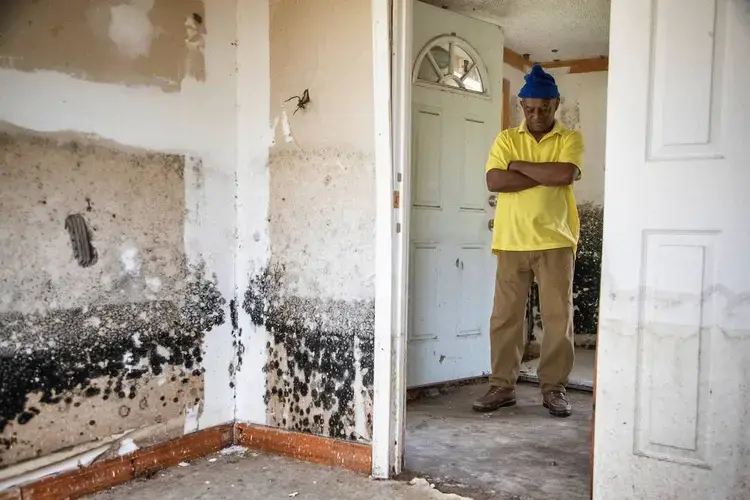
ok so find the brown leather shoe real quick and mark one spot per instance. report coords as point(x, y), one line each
point(557, 403)
point(496, 397)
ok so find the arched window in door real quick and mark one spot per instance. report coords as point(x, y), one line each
point(449, 61)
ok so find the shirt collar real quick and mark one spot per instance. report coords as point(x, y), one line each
point(557, 129)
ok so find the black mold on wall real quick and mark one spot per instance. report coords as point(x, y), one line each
point(588, 273)
point(317, 348)
point(61, 353)
point(239, 348)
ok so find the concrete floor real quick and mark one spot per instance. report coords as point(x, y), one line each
point(518, 452)
point(254, 476)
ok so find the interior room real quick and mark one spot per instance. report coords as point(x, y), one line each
point(470, 58)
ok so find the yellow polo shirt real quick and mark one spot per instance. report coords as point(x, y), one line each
point(542, 217)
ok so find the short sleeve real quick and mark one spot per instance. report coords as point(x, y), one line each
point(572, 151)
point(500, 153)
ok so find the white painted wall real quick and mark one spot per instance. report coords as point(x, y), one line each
point(251, 253)
point(584, 108)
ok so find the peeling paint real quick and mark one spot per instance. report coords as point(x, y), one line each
point(286, 127)
point(130, 28)
point(127, 446)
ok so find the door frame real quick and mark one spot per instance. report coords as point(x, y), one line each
point(392, 75)
point(392, 78)
point(392, 84)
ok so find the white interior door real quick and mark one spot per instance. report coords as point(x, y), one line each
point(672, 400)
point(451, 265)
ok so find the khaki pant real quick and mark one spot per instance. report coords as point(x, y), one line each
point(553, 270)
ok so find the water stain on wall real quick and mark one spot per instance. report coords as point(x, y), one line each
point(138, 42)
point(319, 370)
point(86, 352)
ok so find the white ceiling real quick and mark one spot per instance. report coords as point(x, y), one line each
point(578, 29)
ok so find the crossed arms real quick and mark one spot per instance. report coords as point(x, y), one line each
point(505, 175)
point(522, 175)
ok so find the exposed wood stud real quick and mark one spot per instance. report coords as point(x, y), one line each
point(514, 59)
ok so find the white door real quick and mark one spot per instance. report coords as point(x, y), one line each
point(673, 385)
point(451, 265)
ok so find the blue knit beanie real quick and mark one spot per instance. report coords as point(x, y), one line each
point(539, 85)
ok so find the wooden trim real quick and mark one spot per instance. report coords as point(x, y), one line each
point(391, 56)
point(506, 104)
point(580, 65)
point(145, 462)
point(142, 463)
point(11, 494)
point(345, 454)
point(515, 59)
point(186, 448)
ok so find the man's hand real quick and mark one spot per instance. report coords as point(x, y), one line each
point(505, 181)
point(546, 174)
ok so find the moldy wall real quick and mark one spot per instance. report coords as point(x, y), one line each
point(123, 112)
point(316, 298)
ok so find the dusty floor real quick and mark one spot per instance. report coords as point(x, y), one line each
point(520, 451)
point(253, 476)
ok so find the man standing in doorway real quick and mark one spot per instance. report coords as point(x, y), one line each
point(532, 168)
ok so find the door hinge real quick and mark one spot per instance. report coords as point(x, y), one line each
point(396, 199)
point(398, 227)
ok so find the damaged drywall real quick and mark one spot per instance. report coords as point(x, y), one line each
point(90, 352)
point(319, 374)
point(137, 42)
point(316, 296)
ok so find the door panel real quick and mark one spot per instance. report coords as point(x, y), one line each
point(471, 176)
point(672, 412)
point(472, 303)
point(427, 158)
point(452, 132)
point(425, 306)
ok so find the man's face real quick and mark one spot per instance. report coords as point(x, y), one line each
point(539, 113)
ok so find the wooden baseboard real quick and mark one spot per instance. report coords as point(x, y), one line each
point(345, 454)
point(142, 463)
point(147, 461)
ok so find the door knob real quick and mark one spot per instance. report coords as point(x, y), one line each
point(491, 224)
point(492, 200)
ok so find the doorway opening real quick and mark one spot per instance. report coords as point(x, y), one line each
point(468, 63)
